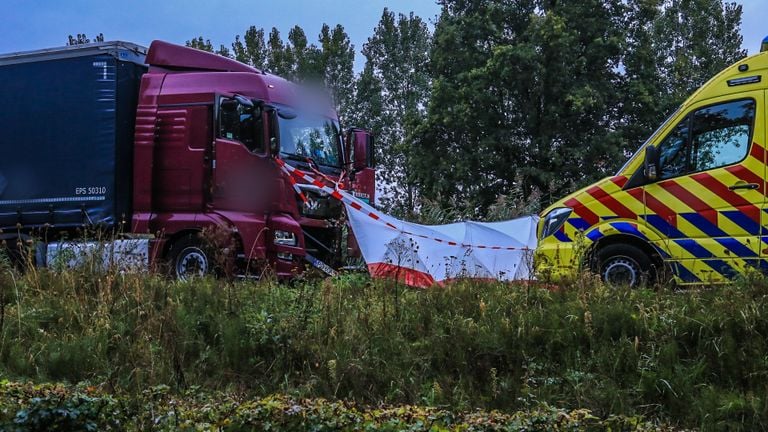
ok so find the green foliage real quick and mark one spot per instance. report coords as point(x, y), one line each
point(252, 50)
point(206, 45)
point(696, 359)
point(61, 408)
point(279, 60)
point(396, 77)
point(673, 47)
point(523, 95)
point(338, 56)
point(545, 94)
point(81, 38)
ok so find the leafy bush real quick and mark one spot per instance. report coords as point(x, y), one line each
point(55, 407)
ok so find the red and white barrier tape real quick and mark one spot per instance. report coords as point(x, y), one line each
point(344, 197)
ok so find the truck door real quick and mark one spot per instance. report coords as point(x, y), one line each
point(242, 174)
point(711, 185)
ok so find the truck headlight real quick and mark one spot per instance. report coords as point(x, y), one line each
point(554, 220)
point(285, 238)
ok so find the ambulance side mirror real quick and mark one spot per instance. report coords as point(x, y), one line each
point(651, 165)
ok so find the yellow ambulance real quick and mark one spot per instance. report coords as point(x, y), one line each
point(691, 203)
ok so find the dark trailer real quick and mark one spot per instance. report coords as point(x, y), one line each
point(66, 131)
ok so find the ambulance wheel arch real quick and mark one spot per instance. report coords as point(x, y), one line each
point(624, 260)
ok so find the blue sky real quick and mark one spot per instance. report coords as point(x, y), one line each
point(30, 24)
point(34, 24)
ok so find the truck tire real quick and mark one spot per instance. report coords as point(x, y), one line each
point(621, 265)
point(189, 258)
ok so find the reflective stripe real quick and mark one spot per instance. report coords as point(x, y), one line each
point(579, 224)
point(694, 248)
point(704, 225)
point(731, 197)
point(664, 227)
point(683, 273)
point(595, 235)
point(562, 236)
point(721, 267)
point(743, 221)
point(628, 228)
point(611, 203)
point(582, 211)
point(736, 247)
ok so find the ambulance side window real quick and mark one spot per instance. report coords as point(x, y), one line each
point(674, 151)
point(711, 137)
point(721, 134)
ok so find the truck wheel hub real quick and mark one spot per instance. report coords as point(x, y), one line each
point(193, 263)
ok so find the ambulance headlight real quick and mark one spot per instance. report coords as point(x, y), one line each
point(554, 220)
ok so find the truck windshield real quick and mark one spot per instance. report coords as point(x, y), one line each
point(311, 136)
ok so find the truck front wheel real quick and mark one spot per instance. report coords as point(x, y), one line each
point(189, 259)
point(623, 265)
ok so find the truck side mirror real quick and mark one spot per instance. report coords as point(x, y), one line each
point(274, 132)
point(244, 101)
point(362, 149)
point(651, 165)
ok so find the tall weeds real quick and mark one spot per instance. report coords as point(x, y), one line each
point(698, 358)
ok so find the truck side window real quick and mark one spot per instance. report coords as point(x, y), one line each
point(711, 137)
point(241, 123)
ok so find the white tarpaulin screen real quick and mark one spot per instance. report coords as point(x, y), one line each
point(424, 255)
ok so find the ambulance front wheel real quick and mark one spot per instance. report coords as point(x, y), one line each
point(622, 265)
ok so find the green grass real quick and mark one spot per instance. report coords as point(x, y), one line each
point(695, 359)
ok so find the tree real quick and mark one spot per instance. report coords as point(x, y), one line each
point(337, 60)
point(83, 39)
point(206, 45)
point(307, 58)
point(674, 47)
point(279, 58)
point(396, 55)
point(540, 94)
point(252, 50)
point(199, 43)
point(470, 146)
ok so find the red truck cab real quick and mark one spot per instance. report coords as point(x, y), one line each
point(207, 130)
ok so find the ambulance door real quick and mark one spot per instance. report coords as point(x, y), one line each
point(760, 145)
point(711, 178)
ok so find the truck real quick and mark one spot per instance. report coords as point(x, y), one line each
point(689, 206)
point(167, 155)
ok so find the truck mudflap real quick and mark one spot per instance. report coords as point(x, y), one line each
point(323, 267)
